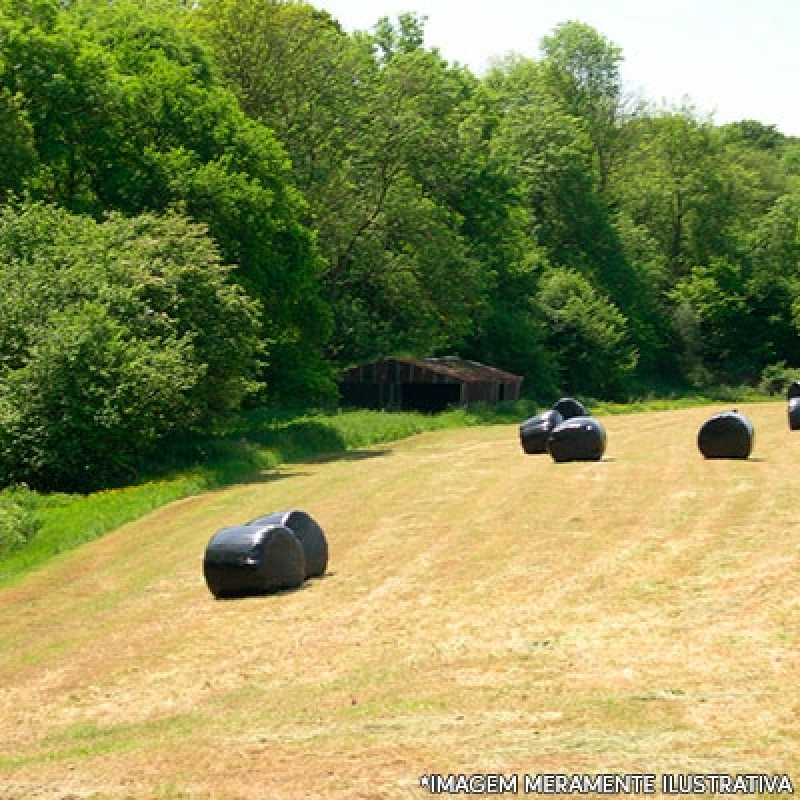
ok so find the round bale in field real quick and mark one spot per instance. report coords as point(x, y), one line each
point(252, 560)
point(533, 432)
point(309, 534)
point(793, 390)
point(794, 414)
point(726, 435)
point(569, 407)
point(577, 439)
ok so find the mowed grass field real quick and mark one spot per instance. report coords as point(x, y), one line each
point(483, 612)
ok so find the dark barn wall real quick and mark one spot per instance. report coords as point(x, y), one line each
point(429, 397)
point(428, 385)
point(490, 393)
point(364, 395)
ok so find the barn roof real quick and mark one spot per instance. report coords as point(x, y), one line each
point(457, 369)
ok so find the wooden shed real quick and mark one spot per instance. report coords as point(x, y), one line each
point(426, 384)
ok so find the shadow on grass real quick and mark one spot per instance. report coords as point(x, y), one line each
point(347, 455)
point(232, 598)
point(276, 474)
point(268, 476)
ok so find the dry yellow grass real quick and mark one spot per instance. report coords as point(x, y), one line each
point(484, 611)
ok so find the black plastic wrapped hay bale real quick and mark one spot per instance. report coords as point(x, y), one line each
point(533, 432)
point(569, 407)
point(253, 559)
point(794, 414)
point(726, 435)
point(793, 390)
point(577, 439)
point(309, 534)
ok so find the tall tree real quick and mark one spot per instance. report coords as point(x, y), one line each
point(371, 125)
point(581, 67)
point(552, 153)
point(125, 114)
point(674, 182)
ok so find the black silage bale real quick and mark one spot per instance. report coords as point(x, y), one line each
point(533, 432)
point(569, 407)
point(309, 534)
point(577, 439)
point(794, 414)
point(252, 560)
point(728, 434)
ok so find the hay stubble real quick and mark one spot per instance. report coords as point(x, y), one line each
point(483, 611)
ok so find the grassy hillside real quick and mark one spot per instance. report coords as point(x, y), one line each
point(35, 527)
point(484, 611)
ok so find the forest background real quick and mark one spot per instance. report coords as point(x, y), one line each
point(217, 205)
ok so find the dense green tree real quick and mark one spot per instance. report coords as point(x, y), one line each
point(675, 183)
point(550, 151)
point(125, 115)
point(17, 150)
point(89, 400)
point(743, 315)
point(376, 199)
point(581, 68)
point(773, 261)
point(710, 309)
point(371, 124)
point(587, 334)
point(112, 335)
point(65, 86)
point(693, 194)
point(552, 156)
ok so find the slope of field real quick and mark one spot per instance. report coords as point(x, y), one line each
point(484, 611)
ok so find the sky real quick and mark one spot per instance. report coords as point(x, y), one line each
point(731, 59)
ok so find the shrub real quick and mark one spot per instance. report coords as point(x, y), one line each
point(775, 378)
point(90, 400)
point(18, 520)
point(112, 335)
point(588, 335)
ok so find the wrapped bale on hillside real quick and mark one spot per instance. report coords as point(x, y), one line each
point(309, 534)
point(569, 407)
point(726, 435)
point(533, 433)
point(252, 560)
point(577, 439)
point(794, 414)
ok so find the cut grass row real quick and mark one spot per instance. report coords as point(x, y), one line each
point(259, 441)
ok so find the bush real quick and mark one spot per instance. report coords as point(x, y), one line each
point(775, 378)
point(18, 520)
point(587, 334)
point(112, 335)
point(90, 401)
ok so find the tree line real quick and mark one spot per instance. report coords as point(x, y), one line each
point(224, 202)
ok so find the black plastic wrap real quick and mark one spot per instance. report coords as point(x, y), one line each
point(533, 433)
point(726, 435)
point(577, 439)
point(569, 407)
point(253, 559)
point(308, 532)
point(794, 414)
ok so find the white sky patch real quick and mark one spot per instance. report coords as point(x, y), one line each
point(735, 59)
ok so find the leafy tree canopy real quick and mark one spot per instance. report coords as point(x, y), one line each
point(112, 335)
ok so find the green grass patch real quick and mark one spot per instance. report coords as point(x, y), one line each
point(92, 740)
point(35, 527)
point(724, 394)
